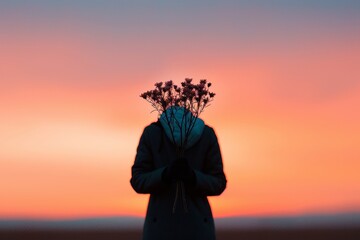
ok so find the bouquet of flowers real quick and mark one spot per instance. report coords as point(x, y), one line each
point(179, 107)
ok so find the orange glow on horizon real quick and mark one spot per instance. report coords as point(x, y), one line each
point(76, 165)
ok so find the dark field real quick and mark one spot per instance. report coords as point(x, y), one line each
point(253, 234)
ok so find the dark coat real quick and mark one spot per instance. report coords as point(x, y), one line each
point(154, 153)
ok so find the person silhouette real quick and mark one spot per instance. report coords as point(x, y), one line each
point(178, 206)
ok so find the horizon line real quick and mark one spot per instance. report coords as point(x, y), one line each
point(129, 216)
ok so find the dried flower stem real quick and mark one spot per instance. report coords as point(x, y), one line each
point(194, 98)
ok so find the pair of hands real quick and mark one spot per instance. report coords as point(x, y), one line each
point(179, 170)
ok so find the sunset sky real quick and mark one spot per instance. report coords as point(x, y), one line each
point(286, 113)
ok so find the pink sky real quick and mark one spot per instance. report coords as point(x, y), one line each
point(286, 111)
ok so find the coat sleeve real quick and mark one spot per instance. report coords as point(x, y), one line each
point(211, 181)
point(144, 177)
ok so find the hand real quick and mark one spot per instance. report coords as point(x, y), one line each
point(179, 170)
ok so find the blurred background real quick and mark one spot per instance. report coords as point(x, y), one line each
point(287, 80)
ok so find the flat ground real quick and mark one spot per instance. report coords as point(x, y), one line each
point(255, 234)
